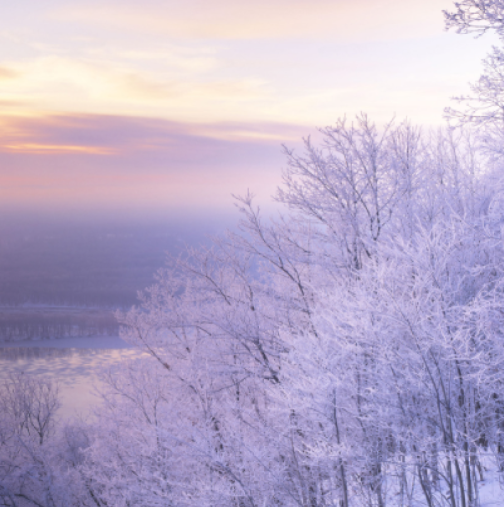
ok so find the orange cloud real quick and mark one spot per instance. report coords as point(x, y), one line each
point(54, 149)
point(7, 73)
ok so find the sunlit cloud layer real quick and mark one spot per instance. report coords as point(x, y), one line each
point(106, 162)
point(99, 85)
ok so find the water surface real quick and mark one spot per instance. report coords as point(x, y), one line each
point(74, 363)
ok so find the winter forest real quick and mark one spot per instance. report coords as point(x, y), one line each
point(349, 352)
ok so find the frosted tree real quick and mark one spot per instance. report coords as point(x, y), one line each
point(275, 360)
point(476, 16)
point(347, 352)
point(485, 105)
point(40, 457)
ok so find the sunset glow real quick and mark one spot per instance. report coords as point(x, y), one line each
point(167, 95)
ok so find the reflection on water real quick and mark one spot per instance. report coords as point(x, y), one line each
point(75, 369)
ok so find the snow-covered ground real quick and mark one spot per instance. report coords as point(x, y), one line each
point(491, 488)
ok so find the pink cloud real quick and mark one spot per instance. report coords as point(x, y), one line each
point(116, 162)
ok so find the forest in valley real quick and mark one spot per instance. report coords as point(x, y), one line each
point(348, 352)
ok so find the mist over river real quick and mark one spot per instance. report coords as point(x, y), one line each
point(61, 280)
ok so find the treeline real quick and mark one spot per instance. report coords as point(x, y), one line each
point(39, 323)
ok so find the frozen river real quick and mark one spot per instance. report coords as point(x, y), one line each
point(75, 363)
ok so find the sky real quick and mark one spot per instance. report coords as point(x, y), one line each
point(168, 107)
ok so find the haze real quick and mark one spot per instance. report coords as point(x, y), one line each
point(124, 113)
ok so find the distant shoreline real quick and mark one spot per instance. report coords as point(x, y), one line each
point(37, 323)
point(77, 342)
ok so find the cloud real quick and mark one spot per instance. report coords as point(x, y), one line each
point(122, 134)
point(93, 67)
point(243, 19)
point(63, 77)
point(98, 161)
point(42, 149)
point(13, 104)
point(175, 58)
point(69, 85)
point(7, 73)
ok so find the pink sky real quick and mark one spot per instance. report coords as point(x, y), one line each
point(169, 105)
